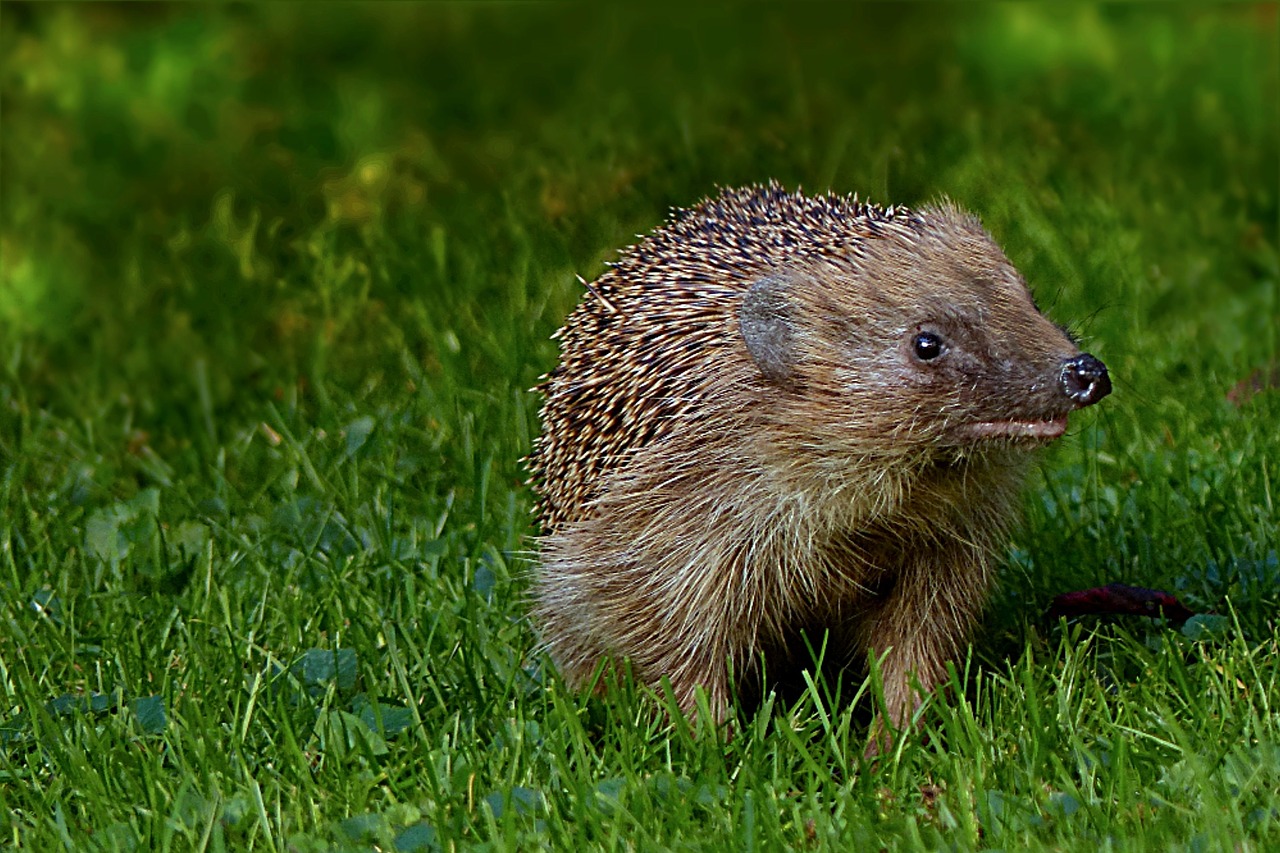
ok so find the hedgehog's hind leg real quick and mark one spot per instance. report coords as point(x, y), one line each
point(598, 600)
point(563, 622)
point(576, 656)
point(688, 675)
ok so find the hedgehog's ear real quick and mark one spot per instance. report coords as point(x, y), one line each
point(765, 322)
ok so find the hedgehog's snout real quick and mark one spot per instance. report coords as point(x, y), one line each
point(1084, 380)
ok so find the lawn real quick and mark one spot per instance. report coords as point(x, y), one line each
point(277, 279)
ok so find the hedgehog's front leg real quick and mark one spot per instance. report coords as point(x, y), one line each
point(919, 625)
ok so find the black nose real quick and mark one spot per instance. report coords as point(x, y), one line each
point(1085, 380)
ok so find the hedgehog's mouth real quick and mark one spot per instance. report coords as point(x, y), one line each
point(1032, 430)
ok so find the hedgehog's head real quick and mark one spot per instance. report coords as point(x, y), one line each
point(919, 333)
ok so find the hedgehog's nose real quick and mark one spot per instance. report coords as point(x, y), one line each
point(1085, 380)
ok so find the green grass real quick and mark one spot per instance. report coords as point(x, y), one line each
point(276, 280)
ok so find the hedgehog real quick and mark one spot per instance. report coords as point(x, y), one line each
point(782, 421)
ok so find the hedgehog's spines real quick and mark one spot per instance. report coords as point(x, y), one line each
point(654, 316)
point(598, 295)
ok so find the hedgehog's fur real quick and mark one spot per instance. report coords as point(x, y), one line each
point(738, 444)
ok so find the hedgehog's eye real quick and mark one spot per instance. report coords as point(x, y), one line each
point(927, 346)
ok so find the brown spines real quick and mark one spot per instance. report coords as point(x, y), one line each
point(644, 350)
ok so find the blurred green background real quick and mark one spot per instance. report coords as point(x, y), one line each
point(216, 201)
point(275, 281)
